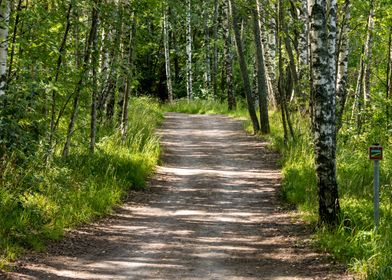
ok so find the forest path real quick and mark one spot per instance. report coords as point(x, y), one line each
point(211, 213)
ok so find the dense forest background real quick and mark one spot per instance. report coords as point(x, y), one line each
point(74, 137)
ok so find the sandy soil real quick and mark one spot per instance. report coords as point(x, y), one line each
point(211, 212)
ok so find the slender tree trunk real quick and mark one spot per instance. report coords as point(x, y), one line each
point(94, 96)
point(189, 51)
point(4, 26)
point(261, 77)
point(207, 71)
point(342, 70)
point(290, 53)
point(111, 93)
point(214, 71)
point(84, 66)
point(303, 50)
point(284, 87)
point(228, 57)
point(167, 51)
point(323, 88)
point(15, 30)
point(105, 69)
point(362, 91)
point(389, 75)
point(128, 78)
point(389, 66)
point(269, 45)
point(53, 123)
point(243, 67)
point(368, 53)
point(281, 94)
point(332, 35)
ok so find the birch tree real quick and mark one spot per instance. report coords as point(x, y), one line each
point(368, 53)
point(228, 56)
point(4, 27)
point(94, 62)
point(261, 76)
point(323, 90)
point(342, 67)
point(303, 47)
point(128, 74)
point(215, 49)
point(243, 66)
point(207, 57)
point(167, 50)
point(362, 90)
point(84, 69)
point(189, 73)
point(269, 39)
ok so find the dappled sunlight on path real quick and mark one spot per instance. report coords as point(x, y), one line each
point(210, 213)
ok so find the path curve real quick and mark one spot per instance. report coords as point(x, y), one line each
point(211, 213)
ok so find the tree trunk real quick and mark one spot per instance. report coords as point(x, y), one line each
point(389, 66)
point(323, 88)
point(167, 51)
point(207, 57)
point(84, 69)
point(368, 54)
point(214, 73)
point(228, 57)
point(94, 62)
point(290, 53)
point(284, 84)
point(128, 78)
point(189, 85)
point(16, 25)
point(269, 40)
point(243, 67)
point(332, 35)
point(303, 49)
point(342, 71)
point(362, 91)
point(261, 78)
point(4, 25)
point(389, 75)
point(53, 123)
point(113, 75)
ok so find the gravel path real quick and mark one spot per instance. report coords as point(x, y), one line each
point(211, 212)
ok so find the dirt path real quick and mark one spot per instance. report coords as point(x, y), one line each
point(211, 213)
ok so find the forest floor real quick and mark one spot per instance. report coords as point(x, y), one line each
point(211, 212)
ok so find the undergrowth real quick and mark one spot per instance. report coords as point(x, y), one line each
point(368, 253)
point(40, 201)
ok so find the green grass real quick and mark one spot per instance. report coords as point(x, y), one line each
point(367, 253)
point(38, 202)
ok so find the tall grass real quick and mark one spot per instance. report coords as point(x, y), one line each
point(367, 252)
point(38, 202)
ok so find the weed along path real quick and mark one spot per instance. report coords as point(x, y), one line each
point(211, 212)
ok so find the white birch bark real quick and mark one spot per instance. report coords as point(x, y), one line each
point(268, 39)
point(214, 71)
point(303, 47)
point(189, 85)
point(207, 71)
point(228, 56)
point(303, 36)
point(332, 34)
point(368, 54)
point(167, 51)
point(4, 27)
point(323, 89)
point(261, 77)
point(342, 67)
